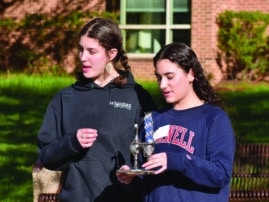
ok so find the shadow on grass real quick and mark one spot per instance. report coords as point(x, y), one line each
point(21, 115)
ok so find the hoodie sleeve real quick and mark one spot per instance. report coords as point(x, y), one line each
point(56, 150)
point(216, 169)
point(145, 99)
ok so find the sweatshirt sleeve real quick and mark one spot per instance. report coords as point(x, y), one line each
point(56, 150)
point(216, 169)
point(145, 99)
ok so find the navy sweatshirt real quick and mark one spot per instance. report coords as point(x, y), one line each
point(89, 174)
point(200, 146)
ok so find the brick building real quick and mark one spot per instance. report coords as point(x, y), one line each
point(203, 37)
point(204, 29)
point(149, 24)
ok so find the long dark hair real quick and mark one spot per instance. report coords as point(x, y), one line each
point(108, 34)
point(186, 58)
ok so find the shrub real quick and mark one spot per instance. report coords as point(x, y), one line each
point(43, 44)
point(243, 42)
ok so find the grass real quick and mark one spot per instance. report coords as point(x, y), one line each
point(23, 101)
point(248, 107)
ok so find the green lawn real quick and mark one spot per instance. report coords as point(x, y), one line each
point(248, 107)
point(23, 100)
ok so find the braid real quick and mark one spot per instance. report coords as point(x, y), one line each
point(124, 69)
point(124, 62)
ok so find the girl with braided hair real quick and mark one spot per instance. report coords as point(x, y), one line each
point(88, 127)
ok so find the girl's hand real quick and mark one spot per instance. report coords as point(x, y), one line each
point(123, 177)
point(86, 136)
point(158, 160)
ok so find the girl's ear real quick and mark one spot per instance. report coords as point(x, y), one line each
point(112, 53)
point(191, 76)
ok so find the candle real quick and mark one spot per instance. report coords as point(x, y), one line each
point(148, 125)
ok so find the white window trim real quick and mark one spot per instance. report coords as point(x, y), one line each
point(167, 27)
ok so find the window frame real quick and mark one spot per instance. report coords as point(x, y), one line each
point(167, 27)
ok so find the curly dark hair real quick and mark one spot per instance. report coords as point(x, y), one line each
point(186, 58)
point(108, 34)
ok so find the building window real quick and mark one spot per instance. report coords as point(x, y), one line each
point(147, 25)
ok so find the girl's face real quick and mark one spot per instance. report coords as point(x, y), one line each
point(93, 58)
point(174, 83)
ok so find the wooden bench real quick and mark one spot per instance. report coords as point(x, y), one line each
point(250, 180)
point(46, 184)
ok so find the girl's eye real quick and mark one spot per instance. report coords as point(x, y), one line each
point(91, 51)
point(170, 77)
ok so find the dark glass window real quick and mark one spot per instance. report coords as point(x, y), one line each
point(148, 25)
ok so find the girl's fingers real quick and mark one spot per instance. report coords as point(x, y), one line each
point(86, 136)
point(156, 161)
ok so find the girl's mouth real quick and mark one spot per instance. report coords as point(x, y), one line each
point(166, 93)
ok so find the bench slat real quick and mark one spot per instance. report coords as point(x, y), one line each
point(250, 180)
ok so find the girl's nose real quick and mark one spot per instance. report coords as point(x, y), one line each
point(162, 83)
point(82, 55)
